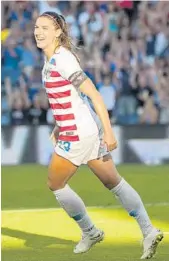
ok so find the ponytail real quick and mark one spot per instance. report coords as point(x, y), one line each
point(65, 40)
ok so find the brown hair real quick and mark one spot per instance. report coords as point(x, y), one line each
point(64, 39)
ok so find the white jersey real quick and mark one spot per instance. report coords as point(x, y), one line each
point(70, 107)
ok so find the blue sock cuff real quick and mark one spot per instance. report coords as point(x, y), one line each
point(133, 213)
point(78, 217)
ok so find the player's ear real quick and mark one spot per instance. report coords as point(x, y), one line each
point(58, 32)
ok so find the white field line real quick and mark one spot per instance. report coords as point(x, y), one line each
point(159, 204)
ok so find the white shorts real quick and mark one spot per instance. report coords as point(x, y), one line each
point(80, 152)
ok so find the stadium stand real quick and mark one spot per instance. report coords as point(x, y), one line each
point(123, 47)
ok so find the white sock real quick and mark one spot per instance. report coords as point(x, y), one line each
point(75, 208)
point(132, 202)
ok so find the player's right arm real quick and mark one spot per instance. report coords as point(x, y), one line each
point(70, 69)
point(88, 88)
point(54, 135)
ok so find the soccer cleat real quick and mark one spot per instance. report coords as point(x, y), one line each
point(88, 240)
point(151, 242)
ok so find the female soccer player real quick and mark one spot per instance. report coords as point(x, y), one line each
point(84, 136)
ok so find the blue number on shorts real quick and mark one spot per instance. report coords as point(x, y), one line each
point(64, 145)
point(59, 144)
point(67, 145)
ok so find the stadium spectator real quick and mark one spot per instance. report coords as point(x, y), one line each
point(108, 93)
point(38, 110)
point(51, 6)
point(11, 57)
point(149, 114)
point(126, 103)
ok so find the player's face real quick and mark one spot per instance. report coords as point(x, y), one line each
point(45, 33)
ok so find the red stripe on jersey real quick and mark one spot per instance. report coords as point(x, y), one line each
point(66, 105)
point(56, 84)
point(68, 128)
point(58, 95)
point(65, 117)
point(54, 74)
point(68, 138)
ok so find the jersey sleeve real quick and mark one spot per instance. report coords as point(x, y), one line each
point(67, 64)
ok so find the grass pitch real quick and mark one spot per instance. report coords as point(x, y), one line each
point(34, 230)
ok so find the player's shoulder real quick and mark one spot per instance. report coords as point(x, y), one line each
point(62, 51)
point(66, 62)
point(64, 55)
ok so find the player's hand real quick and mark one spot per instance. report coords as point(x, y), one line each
point(110, 141)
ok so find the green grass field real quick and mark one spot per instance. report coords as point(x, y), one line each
point(35, 229)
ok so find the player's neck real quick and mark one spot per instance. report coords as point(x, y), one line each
point(49, 52)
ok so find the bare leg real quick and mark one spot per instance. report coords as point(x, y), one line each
point(106, 171)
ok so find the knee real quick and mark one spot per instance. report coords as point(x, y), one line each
point(54, 181)
point(55, 185)
point(50, 185)
point(108, 185)
point(111, 183)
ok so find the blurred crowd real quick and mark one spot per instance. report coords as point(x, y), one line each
point(123, 47)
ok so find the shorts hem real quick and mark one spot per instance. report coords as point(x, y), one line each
point(63, 156)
